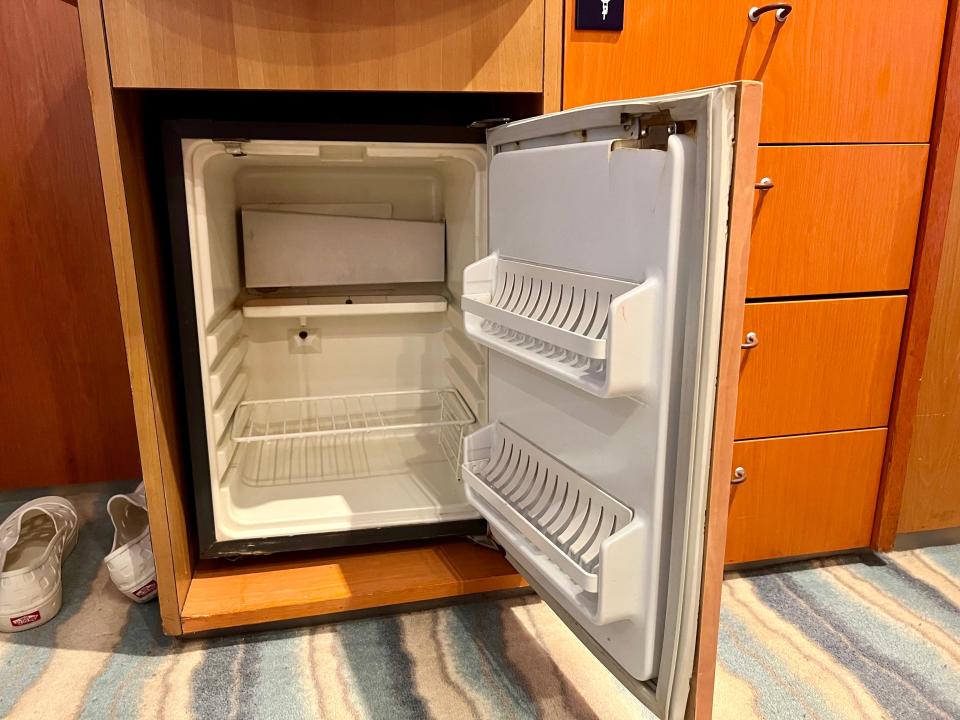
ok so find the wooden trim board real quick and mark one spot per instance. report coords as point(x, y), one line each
point(257, 590)
point(552, 56)
point(939, 200)
point(738, 253)
point(134, 247)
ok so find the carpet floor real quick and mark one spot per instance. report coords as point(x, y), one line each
point(859, 637)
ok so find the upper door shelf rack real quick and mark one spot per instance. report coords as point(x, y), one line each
point(596, 333)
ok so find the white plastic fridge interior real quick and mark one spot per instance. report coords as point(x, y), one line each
point(331, 410)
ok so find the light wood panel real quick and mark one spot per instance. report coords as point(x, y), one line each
point(838, 219)
point(307, 45)
point(833, 72)
point(552, 56)
point(938, 230)
point(931, 494)
point(66, 414)
point(301, 585)
point(804, 494)
point(138, 266)
point(700, 702)
point(820, 365)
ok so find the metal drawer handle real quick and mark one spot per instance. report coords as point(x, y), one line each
point(751, 341)
point(739, 476)
point(764, 184)
point(783, 9)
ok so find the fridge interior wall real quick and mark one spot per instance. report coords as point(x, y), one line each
point(353, 480)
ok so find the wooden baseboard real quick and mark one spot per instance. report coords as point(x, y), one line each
point(927, 538)
point(254, 591)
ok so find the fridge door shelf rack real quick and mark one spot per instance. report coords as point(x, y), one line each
point(573, 532)
point(596, 333)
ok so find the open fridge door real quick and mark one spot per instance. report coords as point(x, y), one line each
point(601, 304)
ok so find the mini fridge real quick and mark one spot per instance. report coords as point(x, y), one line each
point(387, 340)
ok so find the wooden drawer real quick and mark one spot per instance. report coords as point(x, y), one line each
point(491, 45)
point(838, 219)
point(819, 365)
point(804, 494)
point(833, 72)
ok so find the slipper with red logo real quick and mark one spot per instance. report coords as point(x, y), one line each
point(130, 561)
point(34, 541)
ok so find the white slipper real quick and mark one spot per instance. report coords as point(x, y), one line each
point(34, 540)
point(130, 561)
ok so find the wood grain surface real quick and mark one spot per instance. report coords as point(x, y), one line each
point(66, 414)
point(820, 365)
point(932, 466)
point(138, 268)
point(804, 494)
point(833, 72)
point(302, 585)
point(839, 219)
point(480, 45)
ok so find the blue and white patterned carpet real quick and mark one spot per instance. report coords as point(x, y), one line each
point(871, 637)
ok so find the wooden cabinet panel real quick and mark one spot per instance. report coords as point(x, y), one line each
point(833, 72)
point(252, 590)
point(492, 45)
point(838, 219)
point(804, 494)
point(819, 365)
point(931, 493)
point(66, 412)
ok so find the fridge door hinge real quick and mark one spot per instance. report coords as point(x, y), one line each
point(651, 131)
point(234, 146)
point(488, 123)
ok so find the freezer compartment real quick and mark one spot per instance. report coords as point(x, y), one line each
point(297, 249)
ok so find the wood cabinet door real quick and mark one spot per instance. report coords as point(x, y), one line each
point(832, 72)
point(66, 410)
point(818, 365)
point(804, 494)
point(490, 45)
point(837, 219)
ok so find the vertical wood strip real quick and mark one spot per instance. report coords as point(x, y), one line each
point(738, 253)
point(131, 234)
point(934, 217)
point(553, 56)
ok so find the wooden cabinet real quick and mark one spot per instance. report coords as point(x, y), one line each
point(838, 219)
point(488, 45)
point(833, 72)
point(818, 365)
point(849, 92)
point(804, 494)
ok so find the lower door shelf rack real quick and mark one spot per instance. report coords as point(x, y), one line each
point(573, 532)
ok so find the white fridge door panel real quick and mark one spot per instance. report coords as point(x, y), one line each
point(600, 302)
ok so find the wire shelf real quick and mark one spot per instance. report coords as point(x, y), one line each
point(331, 415)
